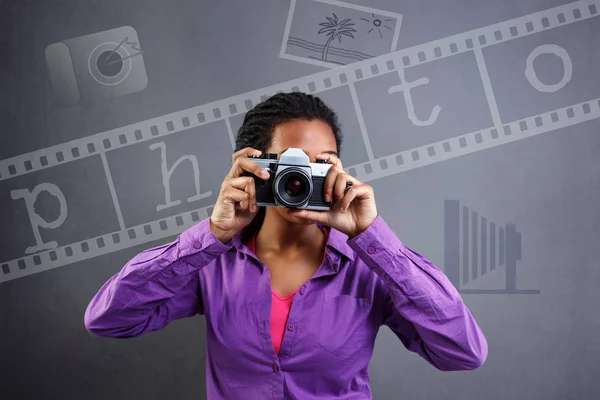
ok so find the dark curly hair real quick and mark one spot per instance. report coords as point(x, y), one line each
point(260, 122)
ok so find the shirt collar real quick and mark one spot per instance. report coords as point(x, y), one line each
point(336, 241)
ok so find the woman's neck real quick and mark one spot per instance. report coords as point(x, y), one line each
point(281, 236)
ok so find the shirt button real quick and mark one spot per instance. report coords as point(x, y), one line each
point(275, 368)
point(290, 327)
point(197, 245)
point(371, 250)
point(302, 290)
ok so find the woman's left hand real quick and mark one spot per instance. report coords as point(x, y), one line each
point(352, 211)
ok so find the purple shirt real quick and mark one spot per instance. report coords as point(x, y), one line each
point(363, 283)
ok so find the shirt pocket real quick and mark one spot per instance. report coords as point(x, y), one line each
point(345, 326)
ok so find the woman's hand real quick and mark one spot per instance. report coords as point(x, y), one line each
point(236, 205)
point(353, 209)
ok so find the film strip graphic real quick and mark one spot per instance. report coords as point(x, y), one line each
point(347, 76)
point(479, 246)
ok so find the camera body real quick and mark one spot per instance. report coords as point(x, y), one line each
point(294, 181)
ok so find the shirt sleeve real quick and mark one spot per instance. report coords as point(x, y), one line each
point(155, 287)
point(423, 308)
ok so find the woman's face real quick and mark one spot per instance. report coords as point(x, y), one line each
point(314, 137)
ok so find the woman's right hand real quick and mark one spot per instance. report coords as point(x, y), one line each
point(236, 205)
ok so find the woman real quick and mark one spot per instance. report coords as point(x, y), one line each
point(293, 299)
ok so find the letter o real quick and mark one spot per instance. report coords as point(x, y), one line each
point(532, 76)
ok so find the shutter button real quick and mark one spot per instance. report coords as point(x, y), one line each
point(371, 250)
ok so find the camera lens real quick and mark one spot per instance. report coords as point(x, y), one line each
point(109, 63)
point(293, 187)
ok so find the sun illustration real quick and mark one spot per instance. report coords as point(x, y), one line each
point(378, 23)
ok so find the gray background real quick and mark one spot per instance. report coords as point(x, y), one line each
point(543, 346)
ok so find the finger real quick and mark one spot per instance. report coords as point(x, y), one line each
point(331, 159)
point(311, 215)
point(329, 183)
point(336, 167)
point(243, 165)
point(251, 190)
point(350, 195)
point(245, 184)
point(233, 195)
point(337, 162)
point(245, 152)
point(239, 207)
point(239, 183)
point(340, 186)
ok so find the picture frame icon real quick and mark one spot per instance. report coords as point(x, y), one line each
point(97, 66)
point(330, 33)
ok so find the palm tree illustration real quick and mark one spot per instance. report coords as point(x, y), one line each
point(335, 29)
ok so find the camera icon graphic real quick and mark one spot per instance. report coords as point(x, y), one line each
point(96, 66)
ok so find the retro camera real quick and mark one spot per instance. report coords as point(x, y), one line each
point(294, 181)
point(97, 66)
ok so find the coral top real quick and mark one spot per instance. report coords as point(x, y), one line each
point(280, 306)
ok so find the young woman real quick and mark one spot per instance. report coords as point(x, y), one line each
point(293, 299)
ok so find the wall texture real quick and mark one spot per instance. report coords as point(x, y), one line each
point(475, 121)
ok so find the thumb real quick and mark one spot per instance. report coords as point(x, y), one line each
point(311, 215)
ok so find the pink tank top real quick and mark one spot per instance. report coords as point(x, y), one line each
point(280, 306)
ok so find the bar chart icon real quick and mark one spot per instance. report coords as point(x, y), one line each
point(475, 246)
